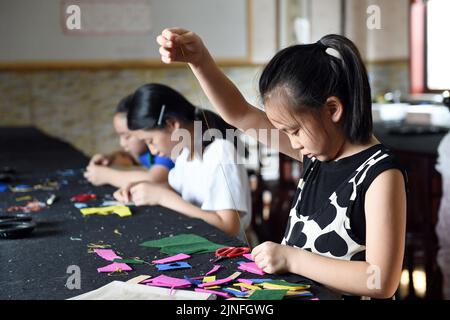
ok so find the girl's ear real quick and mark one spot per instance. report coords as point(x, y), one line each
point(334, 109)
point(172, 125)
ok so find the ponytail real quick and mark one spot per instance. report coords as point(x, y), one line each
point(358, 114)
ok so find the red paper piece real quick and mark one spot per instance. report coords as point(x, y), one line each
point(83, 197)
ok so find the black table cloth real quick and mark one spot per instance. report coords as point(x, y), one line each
point(38, 267)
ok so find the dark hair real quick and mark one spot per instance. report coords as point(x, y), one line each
point(123, 105)
point(153, 104)
point(311, 73)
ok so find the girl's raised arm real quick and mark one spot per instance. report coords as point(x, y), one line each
point(185, 46)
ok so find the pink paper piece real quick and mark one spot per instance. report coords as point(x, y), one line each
point(113, 267)
point(246, 281)
point(215, 283)
point(214, 269)
point(107, 254)
point(251, 267)
point(223, 294)
point(166, 285)
point(165, 281)
point(178, 257)
point(248, 256)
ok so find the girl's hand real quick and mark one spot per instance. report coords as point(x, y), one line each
point(123, 194)
point(100, 159)
point(96, 174)
point(141, 193)
point(180, 45)
point(272, 257)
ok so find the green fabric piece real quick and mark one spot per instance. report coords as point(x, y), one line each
point(268, 295)
point(129, 261)
point(183, 243)
point(202, 247)
point(285, 283)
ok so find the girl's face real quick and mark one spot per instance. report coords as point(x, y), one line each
point(313, 135)
point(128, 141)
point(159, 141)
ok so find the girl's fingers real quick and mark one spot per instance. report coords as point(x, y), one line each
point(256, 250)
point(163, 42)
point(164, 53)
point(172, 33)
point(166, 60)
point(117, 195)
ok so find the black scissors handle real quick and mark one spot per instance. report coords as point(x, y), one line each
point(19, 217)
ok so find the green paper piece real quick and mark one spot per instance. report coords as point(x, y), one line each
point(201, 247)
point(183, 243)
point(268, 295)
point(175, 240)
point(129, 261)
point(285, 283)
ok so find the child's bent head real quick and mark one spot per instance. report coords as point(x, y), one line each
point(165, 120)
point(319, 94)
point(128, 142)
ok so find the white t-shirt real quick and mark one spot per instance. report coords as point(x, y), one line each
point(215, 182)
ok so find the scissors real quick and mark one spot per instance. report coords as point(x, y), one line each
point(230, 252)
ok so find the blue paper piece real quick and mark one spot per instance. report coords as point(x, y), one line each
point(193, 281)
point(260, 280)
point(173, 266)
point(67, 172)
point(80, 205)
point(3, 187)
point(23, 187)
point(235, 292)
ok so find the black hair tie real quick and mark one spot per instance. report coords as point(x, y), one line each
point(321, 45)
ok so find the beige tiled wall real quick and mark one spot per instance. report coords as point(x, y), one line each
point(78, 105)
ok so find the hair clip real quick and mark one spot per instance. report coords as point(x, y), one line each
point(334, 53)
point(161, 114)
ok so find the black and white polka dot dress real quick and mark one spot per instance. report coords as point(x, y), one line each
point(327, 216)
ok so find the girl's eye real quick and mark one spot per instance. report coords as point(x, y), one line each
point(295, 133)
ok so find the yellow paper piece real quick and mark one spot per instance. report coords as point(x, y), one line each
point(210, 279)
point(139, 279)
point(273, 286)
point(247, 286)
point(235, 275)
point(121, 211)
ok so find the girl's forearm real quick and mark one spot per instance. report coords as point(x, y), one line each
point(235, 110)
point(351, 277)
point(122, 178)
point(222, 93)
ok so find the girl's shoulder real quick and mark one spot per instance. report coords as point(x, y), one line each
point(221, 151)
point(380, 160)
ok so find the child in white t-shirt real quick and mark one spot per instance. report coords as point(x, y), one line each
point(208, 181)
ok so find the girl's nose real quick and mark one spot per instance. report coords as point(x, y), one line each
point(151, 148)
point(295, 144)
